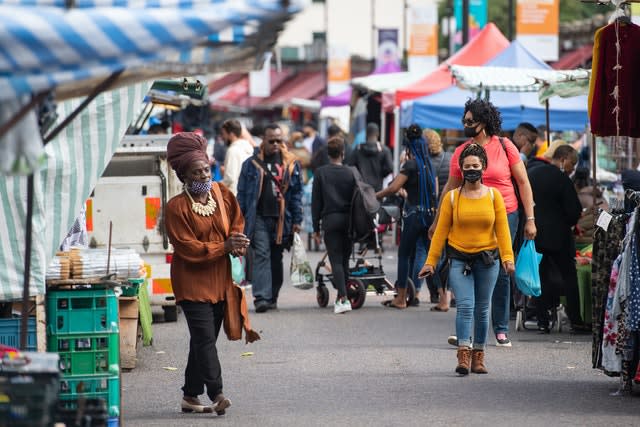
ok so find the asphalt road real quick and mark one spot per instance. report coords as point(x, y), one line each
point(376, 366)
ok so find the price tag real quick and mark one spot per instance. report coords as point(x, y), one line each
point(603, 220)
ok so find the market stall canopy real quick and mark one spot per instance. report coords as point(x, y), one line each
point(444, 109)
point(385, 82)
point(44, 45)
point(235, 97)
point(579, 57)
point(515, 56)
point(484, 46)
point(76, 48)
point(503, 79)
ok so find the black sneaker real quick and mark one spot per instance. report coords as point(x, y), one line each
point(502, 342)
point(261, 306)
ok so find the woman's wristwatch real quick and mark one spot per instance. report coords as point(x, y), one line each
point(531, 218)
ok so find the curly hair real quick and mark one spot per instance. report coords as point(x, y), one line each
point(433, 140)
point(486, 113)
point(474, 150)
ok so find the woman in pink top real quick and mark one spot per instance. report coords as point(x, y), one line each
point(482, 123)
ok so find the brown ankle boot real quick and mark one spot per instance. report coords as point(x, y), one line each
point(464, 360)
point(477, 362)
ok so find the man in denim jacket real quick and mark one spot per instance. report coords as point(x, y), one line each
point(270, 197)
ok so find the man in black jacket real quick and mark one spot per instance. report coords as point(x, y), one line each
point(557, 210)
point(372, 159)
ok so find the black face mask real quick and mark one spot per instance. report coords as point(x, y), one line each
point(471, 132)
point(472, 175)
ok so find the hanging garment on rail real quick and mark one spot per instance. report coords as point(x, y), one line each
point(609, 117)
point(606, 248)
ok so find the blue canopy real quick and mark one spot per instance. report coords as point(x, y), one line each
point(444, 110)
point(517, 56)
point(44, 45)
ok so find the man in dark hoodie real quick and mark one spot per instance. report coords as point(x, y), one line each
point(372, 159)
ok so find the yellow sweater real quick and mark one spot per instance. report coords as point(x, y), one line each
point(472, 226)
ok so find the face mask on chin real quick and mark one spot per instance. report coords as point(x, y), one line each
point(471, 132)
point(198, 187)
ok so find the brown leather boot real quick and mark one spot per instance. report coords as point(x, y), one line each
point(477, 362)
point(464, 360)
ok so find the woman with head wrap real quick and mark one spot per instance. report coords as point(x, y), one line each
point(473, 222)
point(417, 177)
point(204, 224)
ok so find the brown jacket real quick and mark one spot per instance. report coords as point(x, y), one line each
point(201, 269)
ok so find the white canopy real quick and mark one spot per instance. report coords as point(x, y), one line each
point(386, 82)
point(504, 79)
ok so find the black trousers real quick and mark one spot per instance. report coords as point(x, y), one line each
point(203, 366)
point(338, 244)
point(558, 277)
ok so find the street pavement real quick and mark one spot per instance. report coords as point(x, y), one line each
point(375, 366)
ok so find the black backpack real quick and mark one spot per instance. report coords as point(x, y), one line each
point(364, 208)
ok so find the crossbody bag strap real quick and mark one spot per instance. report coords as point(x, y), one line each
point(269, 175)
point(223, 209)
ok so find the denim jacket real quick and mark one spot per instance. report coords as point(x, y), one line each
point(250, 188)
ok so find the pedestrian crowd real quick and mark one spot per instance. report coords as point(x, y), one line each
point(464, 214)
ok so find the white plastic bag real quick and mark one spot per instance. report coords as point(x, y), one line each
point(300, 271)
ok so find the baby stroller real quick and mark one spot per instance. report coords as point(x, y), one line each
point(364, 277)
point(526, 316)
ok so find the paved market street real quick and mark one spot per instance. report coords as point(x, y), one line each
point(376, 367)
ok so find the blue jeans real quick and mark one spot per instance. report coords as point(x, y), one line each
point(267, 275)
point(501, 299)
point(414, 234)
point(473, 296)
point(422, 249)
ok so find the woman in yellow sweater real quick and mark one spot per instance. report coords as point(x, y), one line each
point(473, 222)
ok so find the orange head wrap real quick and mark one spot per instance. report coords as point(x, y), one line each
point(184, 149)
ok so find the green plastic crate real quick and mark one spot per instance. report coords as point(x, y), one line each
point(97, 354)
point(82, 311)
point(102, 387)
point(10, 333)
point(131, 290)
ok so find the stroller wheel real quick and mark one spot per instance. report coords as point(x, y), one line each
point(322, 295)
point(356, 292)
point(411, 291)
point(519, 323)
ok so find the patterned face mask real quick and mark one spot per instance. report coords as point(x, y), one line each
point(197, 187)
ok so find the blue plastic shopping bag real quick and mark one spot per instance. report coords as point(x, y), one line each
point(527, 272)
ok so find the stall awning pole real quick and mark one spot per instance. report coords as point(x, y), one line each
point(24, 320)
point(397, 142)
point(546, 112)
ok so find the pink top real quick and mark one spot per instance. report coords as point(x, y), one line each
point(498, 173)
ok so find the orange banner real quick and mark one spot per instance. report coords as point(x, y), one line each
point(89, 215)
point(339, 70)
point(539, 17)
point(424, 40)
point(152, 211)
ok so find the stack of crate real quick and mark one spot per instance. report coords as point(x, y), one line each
point(83, 329)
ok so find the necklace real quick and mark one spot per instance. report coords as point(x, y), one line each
point(199, 208)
